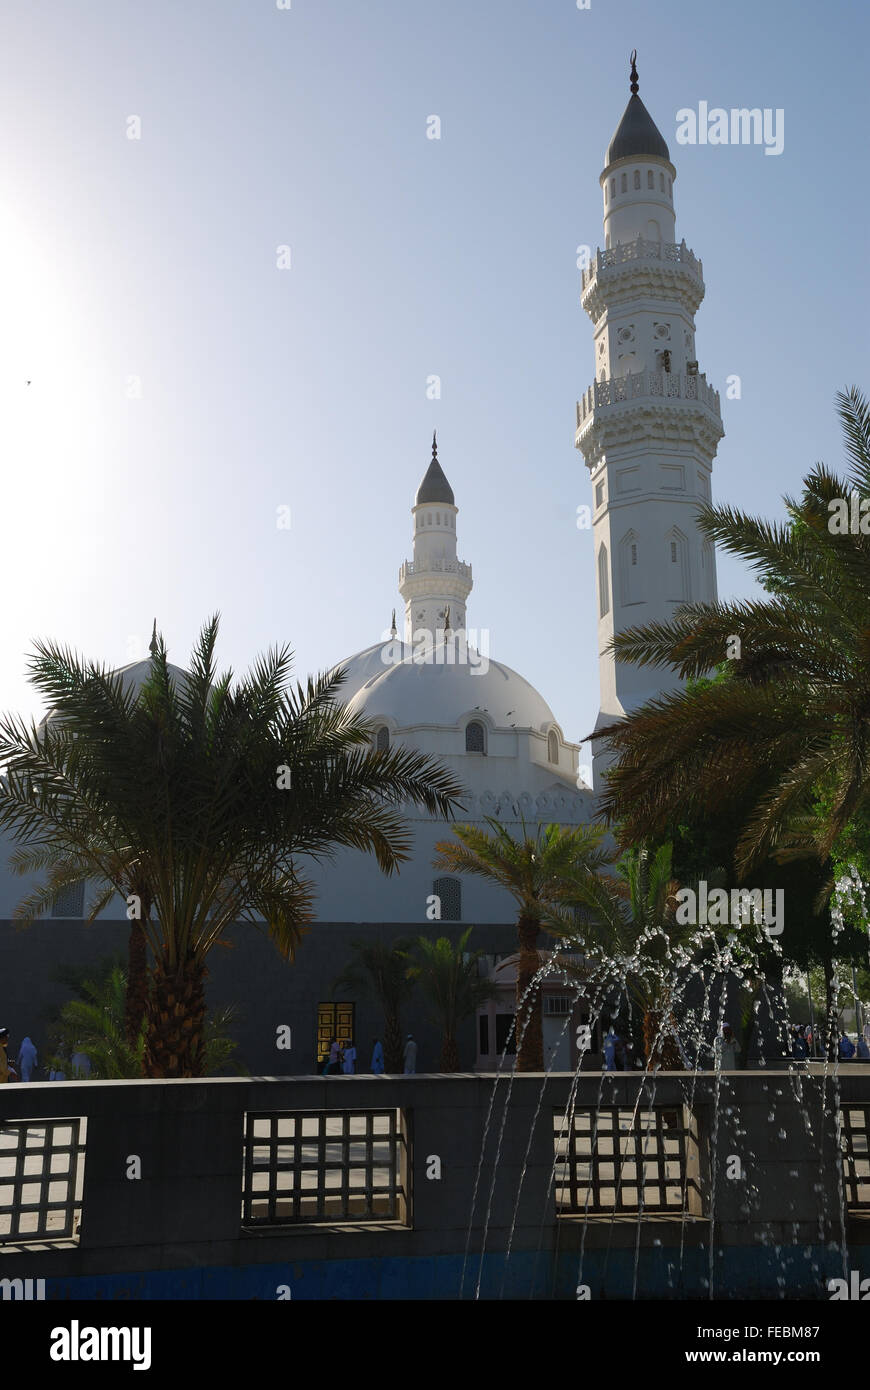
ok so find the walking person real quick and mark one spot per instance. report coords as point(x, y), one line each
point(377, 1057)
point(334, 1058)
point(348, 1059)
point(410, 1055)
point(27, 1059)
point(611, 1041)
point(728, 1049)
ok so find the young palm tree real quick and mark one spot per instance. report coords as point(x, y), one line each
point(633, 915)
point(535, 869)
point(798, 702)
point(449, 980)
point(382, 972)
point(200, 798)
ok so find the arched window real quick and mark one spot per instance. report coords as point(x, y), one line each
point(553, 746)
point(678, 575)
point(605, 195)
point(650, 179)
point(603, 583)
point(613, 188)
point(661, 183)
point(437, 518)
point(637, 178)
point(382, 742)
point(475, 737)
point(449, 893)
point(623, 184)
point(669, 188)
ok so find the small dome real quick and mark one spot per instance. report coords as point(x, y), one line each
point(636, 134)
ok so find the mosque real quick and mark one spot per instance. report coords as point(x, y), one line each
point(648, 428)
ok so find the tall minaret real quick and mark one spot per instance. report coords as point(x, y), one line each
point(435, 584)
point(649, 425)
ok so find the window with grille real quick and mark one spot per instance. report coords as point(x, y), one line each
point(475, 739)
point(71, 902)
point(854, 1128)
point(382, 741)
point(324, 1166)
point(620, 1160)
point(42, 1171)
point(449, 890)
point(553, 746)
point(603, 583)
point(557, 1005)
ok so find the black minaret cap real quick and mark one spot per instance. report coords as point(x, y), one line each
point(637, 132)
point(434, 487)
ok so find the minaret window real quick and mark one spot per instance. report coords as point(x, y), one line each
point(382, 740)
point(437, 518)
point(605, 195)
point(673, 552)
point(623, 184)
point(603, 583)
point(553, 746)
point(633, 554)
point(669, 188)
point(613, 188)
point(661, 183)
point(637, 178)
point(475, 737)
point(650, 179)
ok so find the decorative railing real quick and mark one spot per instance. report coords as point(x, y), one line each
point(641, 249)
point(435, 567)
point(638, 385)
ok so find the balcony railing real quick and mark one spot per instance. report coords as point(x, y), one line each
point(667, 252)
point(435, 567)
point(641, 385)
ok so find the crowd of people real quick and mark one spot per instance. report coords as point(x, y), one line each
point(342, 1056)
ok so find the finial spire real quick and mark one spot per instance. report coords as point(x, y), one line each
point(634, 72)
point(434, 445)
point(393, 632)
point(152, 645)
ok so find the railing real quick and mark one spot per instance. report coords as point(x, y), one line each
point(435, 567)
point(610, 1160)
point(667, 252)
point(638, 385)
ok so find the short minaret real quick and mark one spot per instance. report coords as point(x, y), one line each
point(649, 425)
point(435, 584)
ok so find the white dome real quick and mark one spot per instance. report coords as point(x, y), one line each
point(412, 692)
point(366, 665)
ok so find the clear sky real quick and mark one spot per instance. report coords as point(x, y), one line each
point(150, 265)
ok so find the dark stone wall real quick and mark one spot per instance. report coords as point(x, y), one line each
point(779, 1229)
point(248, 973)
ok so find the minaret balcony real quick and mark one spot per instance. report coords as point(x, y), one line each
point(618, 396)
point(636, 265)
point(458, 567)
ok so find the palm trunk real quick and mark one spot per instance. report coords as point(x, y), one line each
point(174, 1045)
point(136, 1001)
point(449, 1053)
point(660, 1051)
point(529, 1026)
point(393, 1061)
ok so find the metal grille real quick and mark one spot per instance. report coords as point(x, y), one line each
point(618, 1160)
point(70, 902)
point(325, 1166)
point(449, 893)
point(42, 1169)
point(854, 1128)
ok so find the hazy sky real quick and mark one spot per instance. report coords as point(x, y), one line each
point(154, 261)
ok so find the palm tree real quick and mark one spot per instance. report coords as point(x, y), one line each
point(381, 971)
point(94, 1023)
point(200, 798)
point(632, 917)
point(536, 870)
point(448, 977)
point(798, 700)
